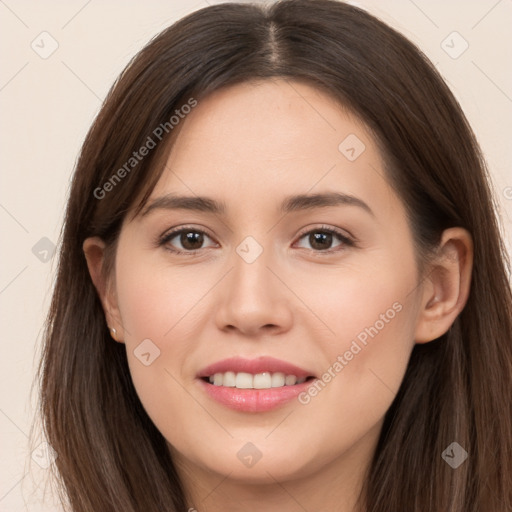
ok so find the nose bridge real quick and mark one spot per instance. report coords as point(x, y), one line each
point(251, 274)
point(254, 297)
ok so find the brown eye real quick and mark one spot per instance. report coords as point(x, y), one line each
point(322, 239)
point(184, 240)
point(191, 240)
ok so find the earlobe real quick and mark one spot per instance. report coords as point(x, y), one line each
point(447, 285)
point(94, 250)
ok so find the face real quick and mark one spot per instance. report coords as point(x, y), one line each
point(317, 297)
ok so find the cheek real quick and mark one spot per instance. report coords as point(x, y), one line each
point(156, 300)
point(154, 312)
point(155, 320)
point(371, 307)
point(371, 319)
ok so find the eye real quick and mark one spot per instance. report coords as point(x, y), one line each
point(189, 240)
point(322, 238)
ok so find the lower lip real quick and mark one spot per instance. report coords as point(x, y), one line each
point(253, 400)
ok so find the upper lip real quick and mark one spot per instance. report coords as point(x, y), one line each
point(254, 366)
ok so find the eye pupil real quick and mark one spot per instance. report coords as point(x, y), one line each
point(321, 240)
point(192, 237)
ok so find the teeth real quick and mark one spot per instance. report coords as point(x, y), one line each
point(262, 381)
point(278, 380)
point(229, 379)
point(243, 380)
point(265, 380)
point(290, 380)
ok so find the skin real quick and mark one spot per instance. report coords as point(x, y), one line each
point(250, 146)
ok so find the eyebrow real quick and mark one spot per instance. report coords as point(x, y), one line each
point(290, 204)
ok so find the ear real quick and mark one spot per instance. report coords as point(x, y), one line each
point(446, 288)
point(94, 250)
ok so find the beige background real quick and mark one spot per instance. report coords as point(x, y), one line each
point(49, 103)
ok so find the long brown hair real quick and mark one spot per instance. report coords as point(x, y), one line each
point(457, 388)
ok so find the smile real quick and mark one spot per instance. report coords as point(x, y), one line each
point(265, 380)
point(253, 385)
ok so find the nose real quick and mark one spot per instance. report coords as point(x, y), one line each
point(254, 299)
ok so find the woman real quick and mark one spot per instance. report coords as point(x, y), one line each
point(281, 281)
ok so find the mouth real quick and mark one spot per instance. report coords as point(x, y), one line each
point(256, 385)
point(264, 380)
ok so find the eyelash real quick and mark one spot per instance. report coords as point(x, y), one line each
point(345, 240)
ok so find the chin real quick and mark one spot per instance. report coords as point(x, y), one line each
point(245, 463)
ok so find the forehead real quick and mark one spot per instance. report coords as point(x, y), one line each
point(252, 142)
point(271, 120)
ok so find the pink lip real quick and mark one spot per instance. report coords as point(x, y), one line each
point(254, 366)
point(253, 400)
